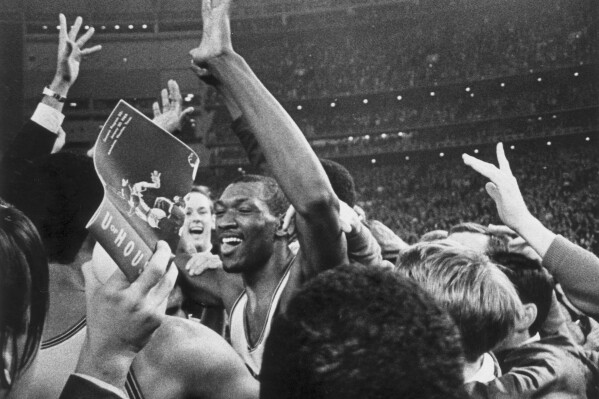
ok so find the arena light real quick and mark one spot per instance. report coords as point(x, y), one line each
point(539, 79)
point(588, 139)
point(407, 157)
point(554, 117)
point(471, 95)
point(399, 98)
point(57, 27)
point(373, 161)
point(144, 26)
point(540, 118)
point(365, 101)
point(384, 135)
point(333, 105)
point(549, 143)
point(432, 94)
point(576, 74)
point(45, 27)
point(350, 138)
point(130, 26)
point(441, 154)
point(468, 89)
point(86, 27)
point(476, 150)
point(367, 137)
point(103, 27)
point(73, 104)
point(400, 134)
point(512, 147)
point(502, 84)
point(117, 27)
point(299, 107)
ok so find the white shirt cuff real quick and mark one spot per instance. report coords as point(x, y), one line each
point(103, 384)
point(48, 117)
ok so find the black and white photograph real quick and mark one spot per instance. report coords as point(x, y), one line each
point(299, 199)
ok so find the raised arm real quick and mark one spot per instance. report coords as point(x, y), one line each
point(240, 127)
point(43, 133)
point(575, 268)
point(293, 163)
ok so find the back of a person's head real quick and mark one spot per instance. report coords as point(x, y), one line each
point(534, 283)
point(65, 195)
point(271, 192)
point(341, 180)
point(480, 298)
point(23, 292)
point(358, 333)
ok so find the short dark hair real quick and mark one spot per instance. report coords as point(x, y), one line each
point(533, 283)
point(23, 290)
point(62, 197)
point(497, 242)
point(341, 180)
point(480, 298)
point(273, 195)
point(359, 332)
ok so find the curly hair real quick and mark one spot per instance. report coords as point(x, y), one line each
point(358, 332)
point(272, 193)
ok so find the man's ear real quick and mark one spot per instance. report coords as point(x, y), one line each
point(528, 316)
point(286, 227)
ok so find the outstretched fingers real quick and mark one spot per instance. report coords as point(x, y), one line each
point(504, 165)
point(486, 169)
point(85, 37)
point(75, 29)
point(91, 50)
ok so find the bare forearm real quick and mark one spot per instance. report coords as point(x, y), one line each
point(537, 235)
point(292, 160)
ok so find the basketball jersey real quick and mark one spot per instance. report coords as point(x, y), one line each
point(56, 361)
point(252, 355)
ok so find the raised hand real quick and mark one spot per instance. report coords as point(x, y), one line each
point(503, 188)
point(216, 31)
point(172, 115)
point(201, 262)
point(70, 53)
point(122, 316)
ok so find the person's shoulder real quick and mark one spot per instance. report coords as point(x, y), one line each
point(190, 352)
point(180, 344)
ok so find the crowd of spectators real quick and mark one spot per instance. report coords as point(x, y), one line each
point(423, 51)
point(561, 187)
point(421, 110)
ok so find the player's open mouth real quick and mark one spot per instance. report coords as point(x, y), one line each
point(229, 244)
point(196, 230)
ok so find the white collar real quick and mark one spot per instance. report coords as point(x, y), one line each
point(485, 373)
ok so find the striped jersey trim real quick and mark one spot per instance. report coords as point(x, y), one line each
point(65, 336)
point(132, 386)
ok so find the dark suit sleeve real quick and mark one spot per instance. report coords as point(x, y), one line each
point(250, 145)
point(31, 143)
point(80, 388)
